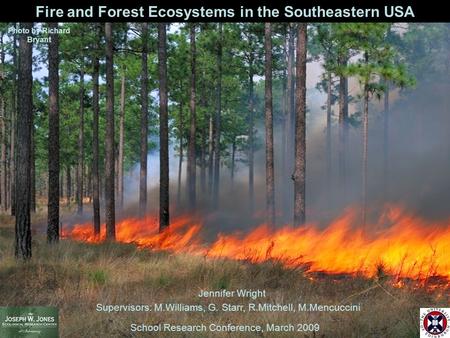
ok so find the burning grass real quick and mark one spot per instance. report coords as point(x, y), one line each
point(76, 276)
point(399, 244)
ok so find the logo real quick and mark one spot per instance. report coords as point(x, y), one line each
point(434, 322)
point(29, 322)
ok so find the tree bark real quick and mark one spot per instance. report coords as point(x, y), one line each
point(32, 167)
point(386, 140)
point(23, 168)
point(191, 166)
point(80, 171)
point(211, 150)
point(284, 181)
point(109, 138)
point(300, 127)
point(95, 145)
point(121, 140)
point(53, 138)
point(89, 182)
point(163, 130)
point(233, 156)
point(203, 103)
point(291, 96)
point(365, 137)
point(69, 184)
point(251, 146)
point(343, 128)
point(341, 152)
point(74, 182)
point(203, 162)
point(270, 176)
point(13, 154)
point(180, 163)
point(144, 123)
point(217, 124)
point(328, 138)
point(61, 185)
point(365, 152)
point(4, 139)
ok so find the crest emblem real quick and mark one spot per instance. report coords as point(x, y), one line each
point(434, 322)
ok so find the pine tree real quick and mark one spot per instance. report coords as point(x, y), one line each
point(163, 130)
point(53, 138)
point(23, 164)
point(109, 138)
point(299, 176)
point(144, 122)
point(95, 137)
point(270, 176)
point(191, 166)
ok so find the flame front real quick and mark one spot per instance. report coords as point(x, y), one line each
point(405, 246)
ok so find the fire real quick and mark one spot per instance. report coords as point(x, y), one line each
point(404, 245)
point(181, 234)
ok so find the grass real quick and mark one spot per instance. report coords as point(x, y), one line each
point(76, 277)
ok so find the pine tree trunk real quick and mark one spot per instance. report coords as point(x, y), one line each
point(300, 128)
point(23, 167)
point(121, 140)
point(191, 166)
point(386, 141)
point(203, 163)
point(343, 127)
point(365, 137)
point(365, 152)
point(80, 171)
point(33, 168)
point(3, 137)
point(233, 156)
point(102, 189)
point(270, 177)
point(328, 139)
point(144, 123)
point(8, 179)
point(13, 137)
point(109, 138)
point(217, 122)
point(180, 163)
point(291, 97)
point(53, 138)
point(74, 182)
point(211, 150)
point(346, 127)
point(86, 181)
point(163, 130)
point(69, 184)
point(284, 125)
point(61, 185)
point(89, 183)
point(116, 168)
point(203, 103)
point(3, 165)
point(251, 146)
point(341, 121)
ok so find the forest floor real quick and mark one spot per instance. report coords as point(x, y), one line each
point(75, 277)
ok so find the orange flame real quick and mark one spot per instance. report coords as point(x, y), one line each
point(409, 247)
point(143, 232)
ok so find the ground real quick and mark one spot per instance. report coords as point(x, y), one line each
point(75, 277)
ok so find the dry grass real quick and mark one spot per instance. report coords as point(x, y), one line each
point(76, 276)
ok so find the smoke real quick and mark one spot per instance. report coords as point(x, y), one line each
point(418, 158)
point(417, 168)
